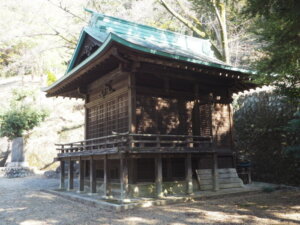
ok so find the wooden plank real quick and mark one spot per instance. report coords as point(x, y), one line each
point(62, 174)
point(220, 171)
point(221, 181)
point(158, 176)
point(189, 174)
point(71, 175)
point(93, 188)
point(107, 98)
point(81, 174)
point(222, 186)
point(221, 176)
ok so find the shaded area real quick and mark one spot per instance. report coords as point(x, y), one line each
point(22, 203)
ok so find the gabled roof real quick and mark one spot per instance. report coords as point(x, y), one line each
point(107, 29)
point(152, 39)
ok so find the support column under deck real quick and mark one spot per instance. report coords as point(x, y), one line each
point(158, 176)
point(215, 172)
point(93, 188)
point(71, 175)
point(124, 177)
point(189, 174)
point(81, 174)
point(62, 174)
point(105, 176)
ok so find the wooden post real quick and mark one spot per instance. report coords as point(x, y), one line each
point(105, 171)
point(81, 174)
point(85, 118)
point(215, 172)
point(71, 175)
point(123, 177)
point(189, 174)
point(158, 176)
point(169, 169)
point(92, 176)
point(131, 103)
point(62, 174)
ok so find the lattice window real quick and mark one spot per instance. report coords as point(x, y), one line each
point(123, 114)
point(205, 120)
point(101, 120)
point(110, 115)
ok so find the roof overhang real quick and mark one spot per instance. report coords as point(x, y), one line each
point(107, 53)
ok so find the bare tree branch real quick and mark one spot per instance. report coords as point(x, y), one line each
point(199, 31)
point(65, 9)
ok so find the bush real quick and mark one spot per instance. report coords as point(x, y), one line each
point(14, 122)
point(22, 115)
point(263, 136)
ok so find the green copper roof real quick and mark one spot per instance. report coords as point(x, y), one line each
point(154, 39)
point(107, 29)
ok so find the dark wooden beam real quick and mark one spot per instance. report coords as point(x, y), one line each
point(62, 174)
point(131, 103)
point(71, 175)
point(105, 176)
point(124, 177)
point(215, 174)
point(158, 176)
point(93, 188)
point(189, 174)
point(81, 174)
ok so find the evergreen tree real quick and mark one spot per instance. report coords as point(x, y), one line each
point(277, 26)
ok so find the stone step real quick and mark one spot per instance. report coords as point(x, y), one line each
point(222, 181)
point(227, 178)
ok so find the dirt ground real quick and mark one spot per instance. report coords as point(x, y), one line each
point(21, 203)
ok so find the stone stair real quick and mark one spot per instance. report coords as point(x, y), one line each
point(227, 178)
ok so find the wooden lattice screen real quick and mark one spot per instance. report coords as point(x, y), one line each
point(205, 120)
point(110, 115)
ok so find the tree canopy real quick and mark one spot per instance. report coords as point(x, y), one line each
point(277, 26)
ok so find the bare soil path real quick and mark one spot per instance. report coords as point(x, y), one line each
point(22, 203)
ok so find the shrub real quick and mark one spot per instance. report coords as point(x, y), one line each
point(22, 115)
point(264, 136)
point(15, 121)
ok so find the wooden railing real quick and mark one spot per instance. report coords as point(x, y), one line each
point(139, 142)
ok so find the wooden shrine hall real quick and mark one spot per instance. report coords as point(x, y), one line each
point(157, 111)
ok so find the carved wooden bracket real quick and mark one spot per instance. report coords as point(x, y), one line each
point(106, 89)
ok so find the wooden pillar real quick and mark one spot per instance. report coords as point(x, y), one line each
point(92, 176)
point(105, 173)
point(124, 177)
point(62, 174)
point(81, 174)
point(169, 169)
point(158, 176)
point(71, 175)
point(215, 172)
point(131, 103)
point(189, 174)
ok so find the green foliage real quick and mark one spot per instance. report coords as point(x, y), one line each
point(51, 78)
point(15, 122)
point(263, 138)
point(22, 116)
point(277, 25)
point(293, 129)
point(13, 58)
